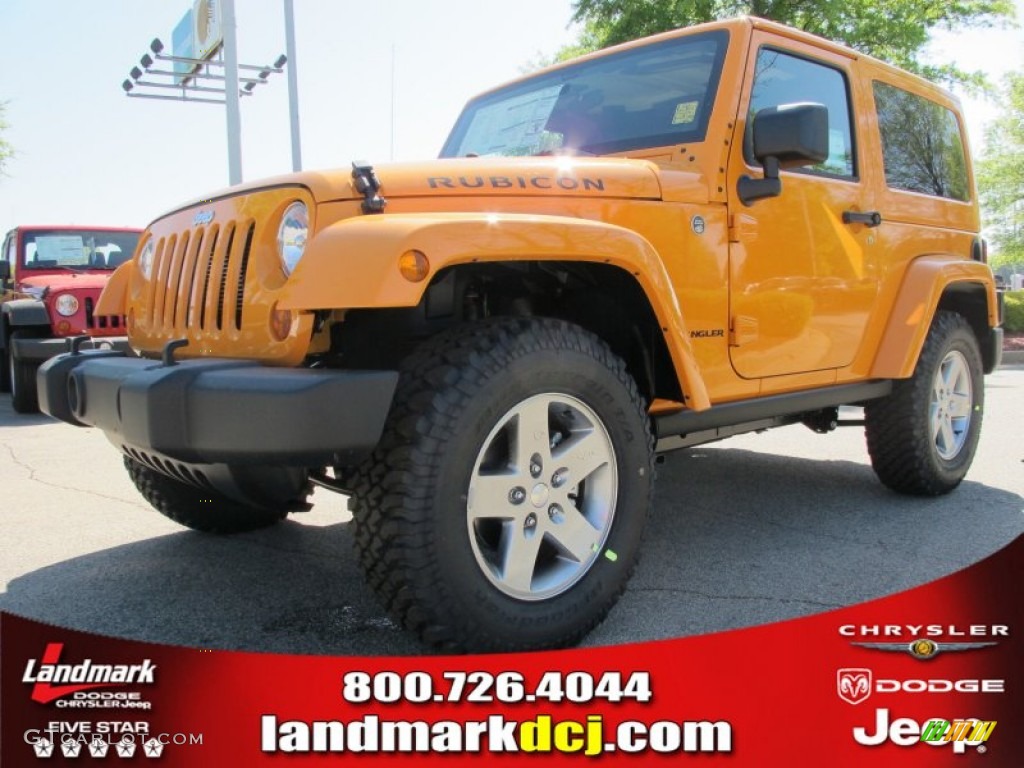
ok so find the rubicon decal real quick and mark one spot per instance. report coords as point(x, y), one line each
point(46, 672)
point(567, 183)
point(855, 685)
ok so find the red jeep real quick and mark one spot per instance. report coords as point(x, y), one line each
point(50, 279)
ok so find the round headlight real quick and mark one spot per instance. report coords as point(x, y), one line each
point(291, 236)
point(66, 304)
point(146, 259)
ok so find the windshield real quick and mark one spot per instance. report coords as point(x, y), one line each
point(651, 96)
point(86, 249)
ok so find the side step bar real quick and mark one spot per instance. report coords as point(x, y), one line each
point(684, 428)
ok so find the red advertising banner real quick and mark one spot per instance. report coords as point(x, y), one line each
point(929, 677)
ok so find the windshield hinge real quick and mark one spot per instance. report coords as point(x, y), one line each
point(365, 180)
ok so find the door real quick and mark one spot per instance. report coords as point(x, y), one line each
point(802, 281)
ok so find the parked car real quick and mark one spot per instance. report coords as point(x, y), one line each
point(52, 277)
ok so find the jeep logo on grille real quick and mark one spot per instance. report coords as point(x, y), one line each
point(203, 217)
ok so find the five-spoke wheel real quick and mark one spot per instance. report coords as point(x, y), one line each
point(542, 496)
point(951, 404)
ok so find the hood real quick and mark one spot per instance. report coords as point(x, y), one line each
point(607, 177)
point(66, 281)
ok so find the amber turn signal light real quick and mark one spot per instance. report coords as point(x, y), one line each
point(280, 323)
point(414, 266)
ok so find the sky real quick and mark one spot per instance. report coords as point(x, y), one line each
point(377, 81)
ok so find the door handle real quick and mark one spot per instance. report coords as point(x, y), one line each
point(867, 218)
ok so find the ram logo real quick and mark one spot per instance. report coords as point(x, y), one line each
point(853, 685)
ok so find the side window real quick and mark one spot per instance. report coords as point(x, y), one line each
point(922, 149)
point(782, 78)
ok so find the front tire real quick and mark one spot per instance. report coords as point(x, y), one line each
point(5, 367)
point(504, 506)
point(201, 510)
point(22, 376)
point(923, 436)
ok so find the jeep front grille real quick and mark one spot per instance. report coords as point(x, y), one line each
point(199, 280)
point(215, 280)
point(100, 322)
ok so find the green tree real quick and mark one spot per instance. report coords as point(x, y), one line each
point(893, 30)
point(6, 152)
point(1001, 176)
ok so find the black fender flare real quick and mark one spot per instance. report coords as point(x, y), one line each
point(20, 313)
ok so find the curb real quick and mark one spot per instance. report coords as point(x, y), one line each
point(1012, 357)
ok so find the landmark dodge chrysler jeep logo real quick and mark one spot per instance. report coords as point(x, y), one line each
point(79, 677)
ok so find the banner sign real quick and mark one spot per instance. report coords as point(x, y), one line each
point(198, 35)
point(930, 677)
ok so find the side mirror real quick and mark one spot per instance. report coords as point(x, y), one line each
point(5, 271)
point(787, 136)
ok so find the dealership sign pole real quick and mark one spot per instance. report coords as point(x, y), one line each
point(293, 82)
point(234, 116)
point(205, 69)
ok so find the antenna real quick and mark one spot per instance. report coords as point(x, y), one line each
point(392, 101)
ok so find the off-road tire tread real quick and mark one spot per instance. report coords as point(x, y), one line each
point(898, 438)
point(205, 511)
point(5, 375)
point(391, 491)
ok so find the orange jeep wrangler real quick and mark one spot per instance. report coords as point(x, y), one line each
point(721, 229)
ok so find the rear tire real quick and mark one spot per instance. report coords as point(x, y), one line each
point(5, 367)
point(201, 510)
point(923, 436)
point(504, 506)
point(22, 375)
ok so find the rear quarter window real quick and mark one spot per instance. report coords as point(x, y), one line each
point(922, 145)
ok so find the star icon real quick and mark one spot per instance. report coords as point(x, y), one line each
point(71, 748)
point(125, 748)
point(154, 748)
point(98, 747)
point(43, 748)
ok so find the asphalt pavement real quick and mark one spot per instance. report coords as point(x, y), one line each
point(754, 529)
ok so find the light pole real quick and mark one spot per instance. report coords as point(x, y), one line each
point(293, 83)
point(234, 115)
point(212, 80)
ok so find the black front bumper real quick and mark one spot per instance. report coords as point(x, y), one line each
point(38, 350)
point(221, 411)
